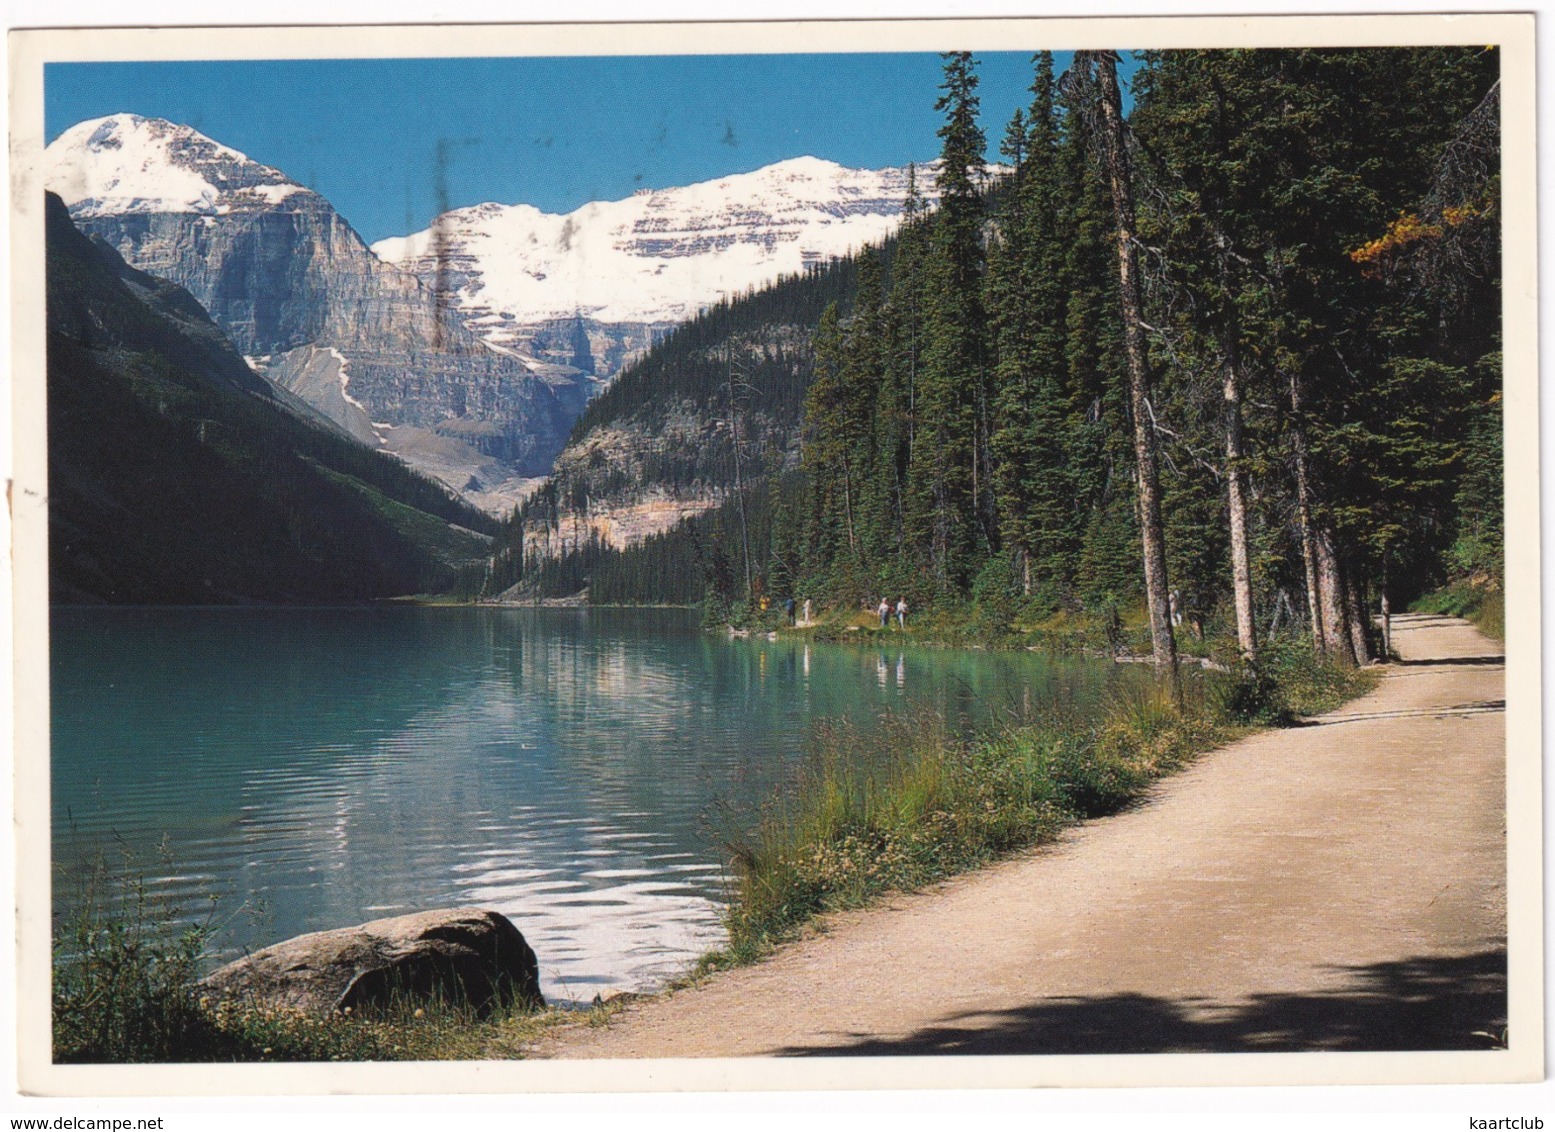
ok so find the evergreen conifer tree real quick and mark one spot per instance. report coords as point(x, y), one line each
point(952, 488)
point(1032, 444)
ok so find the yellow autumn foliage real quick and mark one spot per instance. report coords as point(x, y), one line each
point(1410, 228)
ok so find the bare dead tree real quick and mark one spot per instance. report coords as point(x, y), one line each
point(734, 440)
point(1096, 78)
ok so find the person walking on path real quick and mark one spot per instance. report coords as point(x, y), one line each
point(885, 612)
point(788, 607)
point(808, 610)
point(901, 613)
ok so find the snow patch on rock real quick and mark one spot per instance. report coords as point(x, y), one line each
point(345, 389)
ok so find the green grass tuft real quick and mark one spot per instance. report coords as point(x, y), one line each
point(1479, 600)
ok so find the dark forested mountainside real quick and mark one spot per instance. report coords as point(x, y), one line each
point(1271, 295)
point(178, 475)
point(736, 373)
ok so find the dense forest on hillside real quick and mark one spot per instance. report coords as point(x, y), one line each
point(691, 363)
point(1233, 358)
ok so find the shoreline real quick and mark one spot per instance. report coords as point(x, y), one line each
point(858, 955)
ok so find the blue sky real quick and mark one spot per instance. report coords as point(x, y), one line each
point(393, 142)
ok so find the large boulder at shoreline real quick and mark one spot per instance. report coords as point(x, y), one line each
point(465, 955)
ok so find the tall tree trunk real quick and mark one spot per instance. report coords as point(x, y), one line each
point(1231, 411)
point(1355, 618)
point(1308, 554)
point(1152, 534)
point(1336, 640)
point(977, 460)
point(847, 507)
point(1236, 507)
point(1304, 515)
point(739, 486)
point(988, 506)
point(1387, 625)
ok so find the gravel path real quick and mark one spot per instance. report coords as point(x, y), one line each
point(1335, 886)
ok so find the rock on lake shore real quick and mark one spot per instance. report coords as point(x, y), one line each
point(467, 955)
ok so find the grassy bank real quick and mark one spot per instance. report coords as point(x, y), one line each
point(1474, 598)
point(908, 804)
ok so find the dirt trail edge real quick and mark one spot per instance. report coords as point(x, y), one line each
point(1340, 885)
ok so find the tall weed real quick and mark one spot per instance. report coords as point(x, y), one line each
point(124, 971)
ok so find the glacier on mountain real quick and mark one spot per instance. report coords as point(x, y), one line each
point(652, 259)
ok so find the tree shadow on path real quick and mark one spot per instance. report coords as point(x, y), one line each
point(1450, 661)
point(1478, 707)
point(1413, 1004)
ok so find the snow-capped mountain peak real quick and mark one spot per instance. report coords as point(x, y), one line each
point(658, 256)
point(125, 163)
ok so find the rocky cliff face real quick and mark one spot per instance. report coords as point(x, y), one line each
point(611, 482)
point(598, 350)
point(471, 348)
point(295, 288)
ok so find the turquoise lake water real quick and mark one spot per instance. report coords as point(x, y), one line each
point(577, 770)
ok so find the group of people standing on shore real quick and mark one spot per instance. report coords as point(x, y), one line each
point(791, 608)
point(886, 609)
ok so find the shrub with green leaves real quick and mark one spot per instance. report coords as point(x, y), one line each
point(1481, 601)
point(124, 969)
